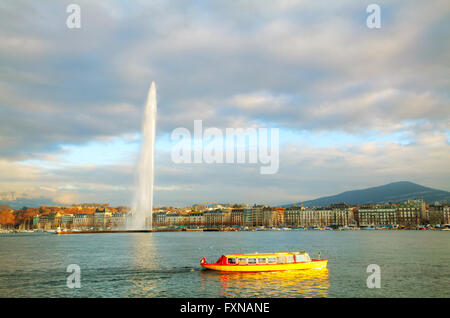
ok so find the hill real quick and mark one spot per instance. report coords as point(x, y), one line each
point(392, 192)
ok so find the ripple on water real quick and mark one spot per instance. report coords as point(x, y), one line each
point(413, 264)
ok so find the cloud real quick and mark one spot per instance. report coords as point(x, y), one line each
point(306, 67)
point(304, 167)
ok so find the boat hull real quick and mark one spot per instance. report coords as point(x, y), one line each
point(315, 264)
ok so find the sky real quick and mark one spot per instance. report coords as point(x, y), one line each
point(355, 107)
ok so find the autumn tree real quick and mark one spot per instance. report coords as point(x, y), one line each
point(7, 218)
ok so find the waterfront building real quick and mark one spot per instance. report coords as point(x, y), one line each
point(248, 219)
point(217, 217)
point(43, 220)
point(102, 218)
point(377, 216)
point(292, 216)
point(280, 216)
point(67, 220)
point(118, 219)
point(196, 219)
point(446, 213)
point(334, 216)
point(54, 219)
point(435, 214)
point(269, 217)
point(83, 220)
point(343, 215)
point(159, 218)
point(438, 213)
point(409, 214)
point(237, 217)
point(421, 206)
point(173, 219)
point(49, 220)
point(184, 220)
point(317, 217)
point(253, 217)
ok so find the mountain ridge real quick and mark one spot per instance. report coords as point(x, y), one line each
point(400, 191)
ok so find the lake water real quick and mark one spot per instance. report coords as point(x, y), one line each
point(413, 264)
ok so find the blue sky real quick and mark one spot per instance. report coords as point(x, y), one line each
point(356, 107)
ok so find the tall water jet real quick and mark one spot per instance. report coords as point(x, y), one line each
point(143, 198)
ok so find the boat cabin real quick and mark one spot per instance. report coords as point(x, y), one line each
point(264, 259)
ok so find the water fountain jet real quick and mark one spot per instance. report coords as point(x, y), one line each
point(143, 196)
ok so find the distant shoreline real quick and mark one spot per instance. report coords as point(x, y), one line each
point(221, 230)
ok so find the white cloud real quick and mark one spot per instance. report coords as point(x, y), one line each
point(299, 65)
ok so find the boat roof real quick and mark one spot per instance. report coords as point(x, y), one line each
point(264, 254)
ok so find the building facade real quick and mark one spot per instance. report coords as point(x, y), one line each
point(377, 216)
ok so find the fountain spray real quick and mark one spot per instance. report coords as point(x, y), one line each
point(143, 198)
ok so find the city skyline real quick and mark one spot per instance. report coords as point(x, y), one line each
point(413, 214)
point(356, 107)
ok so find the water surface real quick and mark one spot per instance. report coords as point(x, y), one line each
point(413, 264)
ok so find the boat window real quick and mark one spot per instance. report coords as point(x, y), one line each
point(281, 260)
point(252, 260)
point(232, 260)
point(300, 258)
point(242, 261)
point(262, 260)
point(272, 260)
point(290, 259)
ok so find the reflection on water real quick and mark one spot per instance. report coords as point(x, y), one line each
point(304, 283)
point(145, 262)
point(413, 263)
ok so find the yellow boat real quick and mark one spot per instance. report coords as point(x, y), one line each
point(267, 262)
